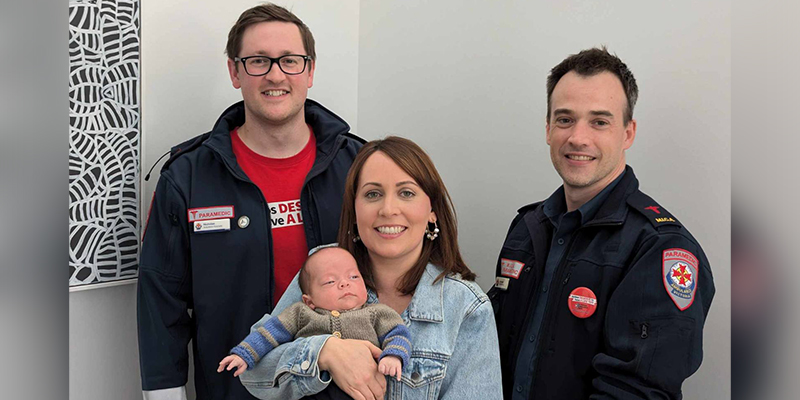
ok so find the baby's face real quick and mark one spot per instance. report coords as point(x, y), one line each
point(335, 282)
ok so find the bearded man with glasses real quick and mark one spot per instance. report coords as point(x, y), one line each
point(236, 209)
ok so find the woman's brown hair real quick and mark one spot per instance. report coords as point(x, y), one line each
point(442, 252)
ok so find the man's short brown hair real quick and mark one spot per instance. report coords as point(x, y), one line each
point(266, 13)
point(592, 62)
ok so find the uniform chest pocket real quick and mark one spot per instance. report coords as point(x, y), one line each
point(422, 379)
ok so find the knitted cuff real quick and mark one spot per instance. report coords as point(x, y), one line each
point(397, 343)
point(247, 354)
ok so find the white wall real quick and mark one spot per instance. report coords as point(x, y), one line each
point(103, 352)
point(431, 71)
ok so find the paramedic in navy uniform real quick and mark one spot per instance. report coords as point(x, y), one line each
point(600, 292)
point(236, 209)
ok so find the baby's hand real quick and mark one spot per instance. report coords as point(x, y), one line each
point(392, 366)
point(233, 361)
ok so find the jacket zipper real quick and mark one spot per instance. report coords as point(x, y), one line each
point(527, 320)
point(265, 210)
point(545, 331)
point(548, 312)
point(305, 209)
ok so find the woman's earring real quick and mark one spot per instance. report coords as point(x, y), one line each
point(432, 234)
point(356, 238)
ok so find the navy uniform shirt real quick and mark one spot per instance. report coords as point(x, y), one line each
point(565, 223)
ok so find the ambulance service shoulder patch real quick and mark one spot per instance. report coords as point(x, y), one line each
point(679, 272)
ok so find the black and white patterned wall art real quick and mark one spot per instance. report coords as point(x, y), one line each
point(103, 140)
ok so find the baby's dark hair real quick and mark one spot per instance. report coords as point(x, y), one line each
point(305, 277)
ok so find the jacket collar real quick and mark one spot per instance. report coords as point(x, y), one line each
point(614, 209)
point(327, 126)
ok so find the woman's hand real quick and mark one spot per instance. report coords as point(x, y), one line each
point(352, 366)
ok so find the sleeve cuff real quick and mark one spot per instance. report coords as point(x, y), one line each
point(296, 369)
point(306, 364)
point(176, 393)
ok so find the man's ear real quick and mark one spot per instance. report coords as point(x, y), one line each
point(630, 134)
point(234, 73)
point(307, 301)
point(312, 66)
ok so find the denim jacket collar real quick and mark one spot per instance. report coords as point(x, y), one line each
point(427, 303)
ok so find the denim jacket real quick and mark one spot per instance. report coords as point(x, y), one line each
point(454, 348)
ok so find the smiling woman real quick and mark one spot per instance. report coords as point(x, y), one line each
point(393, 213)
point(399, 223)
point(393, 196)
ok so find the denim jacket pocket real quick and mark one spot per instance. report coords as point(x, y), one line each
point(422, 378)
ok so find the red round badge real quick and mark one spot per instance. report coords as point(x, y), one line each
point(582, 302)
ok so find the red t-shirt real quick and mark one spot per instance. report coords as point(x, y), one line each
point(281, 180)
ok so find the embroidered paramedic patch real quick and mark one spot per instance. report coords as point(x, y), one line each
point(204, 213)
point(510, 268)
point(680, 276)
point(582, 302)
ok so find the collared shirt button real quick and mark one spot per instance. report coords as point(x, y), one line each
point(519, 388)
point(532, 338)
point(335, 313)
point(560, 240)
point(415, 376)
point(304, 365)
point(544, 289)
point(337, 334)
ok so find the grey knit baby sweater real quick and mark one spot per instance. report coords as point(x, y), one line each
point(377, 323)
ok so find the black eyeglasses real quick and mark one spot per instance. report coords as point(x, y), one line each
point(290, 64)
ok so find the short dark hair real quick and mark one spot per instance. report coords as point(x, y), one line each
point(442, 252)
point(592, 62)
point(266, 13)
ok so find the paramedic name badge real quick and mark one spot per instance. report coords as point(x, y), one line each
point(210, 219)
point(679, 273)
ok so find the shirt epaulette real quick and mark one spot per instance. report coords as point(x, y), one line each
point(529, 207)
point(184, 147)
point(652, 211)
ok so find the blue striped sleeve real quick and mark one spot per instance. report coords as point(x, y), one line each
point(261, 341)
point(397, 342)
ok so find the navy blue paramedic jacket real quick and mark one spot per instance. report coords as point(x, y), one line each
point(646, 334)
point(224, 278)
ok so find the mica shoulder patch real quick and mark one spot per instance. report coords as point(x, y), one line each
point(654, 213)
point(679, 273)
